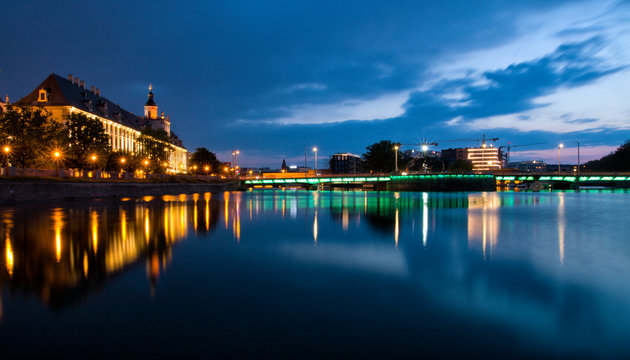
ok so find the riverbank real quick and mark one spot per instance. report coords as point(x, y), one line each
point(28, 190)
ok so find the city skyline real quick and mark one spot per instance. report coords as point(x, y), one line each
point(271, 78)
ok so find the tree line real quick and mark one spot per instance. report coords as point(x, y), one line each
point(615, 161)
point(380, 158)
point(31, 138)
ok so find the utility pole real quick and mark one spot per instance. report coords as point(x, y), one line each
point(559, 147)
point(578, 169)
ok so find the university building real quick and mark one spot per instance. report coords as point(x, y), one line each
point(64, 96)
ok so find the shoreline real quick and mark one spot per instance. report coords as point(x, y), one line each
point(17, 191)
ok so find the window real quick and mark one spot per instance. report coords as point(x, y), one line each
point(43, 96)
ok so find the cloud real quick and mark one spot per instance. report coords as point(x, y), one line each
point(383, 107)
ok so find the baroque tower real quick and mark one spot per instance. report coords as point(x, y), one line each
point(151, 114)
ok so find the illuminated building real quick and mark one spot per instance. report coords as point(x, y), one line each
point(62, 97)
point(482, 158)
point(485, 158)
point(3, 105)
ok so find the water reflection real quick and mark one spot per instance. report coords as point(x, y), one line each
point(532, 266)
point(60, 259)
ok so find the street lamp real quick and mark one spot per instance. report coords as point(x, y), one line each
point(57, 154)
point(559, 147)
point(6, 153)
point(396, 147)
point(315, 151)
point(578, 170)
point(235, 155)
point(425, 148)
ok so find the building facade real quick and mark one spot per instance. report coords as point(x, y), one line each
point(483, 158)
point(345, 164)
point(3, 104)
point(64, 96)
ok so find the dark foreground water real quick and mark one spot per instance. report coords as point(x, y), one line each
point(295, 274)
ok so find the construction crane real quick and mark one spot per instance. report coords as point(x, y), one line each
point(509, 146)
point(483, 140)
point(424, 146)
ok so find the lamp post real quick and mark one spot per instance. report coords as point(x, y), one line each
point(122, 165)
point(578, 169)
point(7, 150)
point(315, 151)
point(559, 147)
point(396, 158)
point(57, 154)
point(235, 154)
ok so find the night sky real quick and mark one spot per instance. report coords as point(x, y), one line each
point(271, 77)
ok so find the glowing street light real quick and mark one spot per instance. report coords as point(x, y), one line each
point(396, 147)
point(425, 148)
point(7, 149)
point(315, 151)
point(559, 147)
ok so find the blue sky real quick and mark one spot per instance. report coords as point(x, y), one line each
point(271, 77)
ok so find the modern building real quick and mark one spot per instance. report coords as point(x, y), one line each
point(64, 96)
point(345, 163)
point(483, 158)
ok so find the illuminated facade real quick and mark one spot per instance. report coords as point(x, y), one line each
point(62, 97)
point(485, 158)
point(3, 105)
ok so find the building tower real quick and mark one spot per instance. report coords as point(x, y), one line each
point(151, 114)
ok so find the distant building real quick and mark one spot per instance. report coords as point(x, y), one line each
point(528, 166)
point(345, 163)
point(62, 97)
point(485, 158)
point(482, 158)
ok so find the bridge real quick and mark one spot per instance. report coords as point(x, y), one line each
point(443, 181)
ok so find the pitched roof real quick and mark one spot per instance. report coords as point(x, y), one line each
point(62, 92)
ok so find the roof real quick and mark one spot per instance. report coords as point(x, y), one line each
point(150, 101)
point(62, 92)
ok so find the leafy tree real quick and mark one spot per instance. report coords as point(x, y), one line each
point(617, 161)
point(460, 166)
point(86, 138)
point(156, 147)
point(203, 157)
point(428, 163)
point(130, 164)
point(32, 135)
point(380, 157)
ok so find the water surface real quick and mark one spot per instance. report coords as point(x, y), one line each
point(296, 274)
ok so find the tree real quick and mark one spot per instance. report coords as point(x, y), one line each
point(32, 135)
point(380, 157)
point(123, 160)
point(460, 166)
point(86, 138)
point(617, 161)
point(155, 147)
point(428, 163)
point(203, 157)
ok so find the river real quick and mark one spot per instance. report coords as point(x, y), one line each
point(299, 274)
